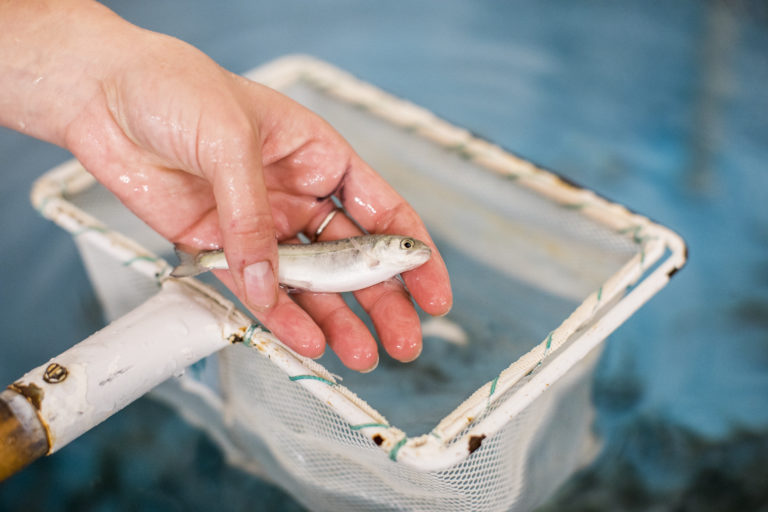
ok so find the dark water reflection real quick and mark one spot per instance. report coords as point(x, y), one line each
point(660, 106)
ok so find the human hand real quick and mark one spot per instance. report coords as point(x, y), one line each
point(209, 159)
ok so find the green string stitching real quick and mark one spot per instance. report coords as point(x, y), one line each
point(598, 299)
point(86, 229)
point(493, 385)
point(133, 260)
point(396, 448)
point(547, 346)
point(462, 150)
point(43, 204)
point(248, 336)
point(635, 231)
point(294, 378)
point(368, 425)
point(491, 392)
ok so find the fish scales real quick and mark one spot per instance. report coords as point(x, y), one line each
point(342, 265)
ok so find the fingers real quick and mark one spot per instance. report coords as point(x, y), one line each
point(245, 216)
point(288, 322)
point(346, 334)
point(388, 304)
point(379, 209)
point(306, 324)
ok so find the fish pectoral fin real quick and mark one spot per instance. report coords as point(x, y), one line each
point(371, 261)
point(296, 286)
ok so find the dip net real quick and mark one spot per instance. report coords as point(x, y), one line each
point(496, 412)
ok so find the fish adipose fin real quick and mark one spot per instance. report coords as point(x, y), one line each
point(187, 266)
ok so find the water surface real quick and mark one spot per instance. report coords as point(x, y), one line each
point(660, 107)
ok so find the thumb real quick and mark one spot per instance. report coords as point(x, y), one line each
point(245, 220)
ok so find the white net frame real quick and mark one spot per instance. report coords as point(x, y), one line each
point(495, 451)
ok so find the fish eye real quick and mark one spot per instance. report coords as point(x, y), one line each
point(406, 243)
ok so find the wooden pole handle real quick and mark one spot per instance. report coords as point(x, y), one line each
point(22, 436)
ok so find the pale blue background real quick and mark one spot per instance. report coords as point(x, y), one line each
point(661, 106)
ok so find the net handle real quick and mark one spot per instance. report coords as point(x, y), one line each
point(461, 433)
point(91, 381)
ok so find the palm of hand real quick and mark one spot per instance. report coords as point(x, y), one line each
point(209, 159)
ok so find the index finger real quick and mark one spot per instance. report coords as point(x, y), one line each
point(245, 217)
point(378, 208)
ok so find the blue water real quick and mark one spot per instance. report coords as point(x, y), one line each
point(660, 106)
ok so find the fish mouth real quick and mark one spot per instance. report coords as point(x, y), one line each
point(422, 255)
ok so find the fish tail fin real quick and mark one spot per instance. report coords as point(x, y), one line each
point(188, 265)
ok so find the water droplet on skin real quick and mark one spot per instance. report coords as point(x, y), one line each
point(368, 207)
point(203, 243)
point(125, 178)
point(312, 179)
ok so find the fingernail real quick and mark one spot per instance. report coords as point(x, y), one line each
point(413, 347)
point(260, 285)
point(375, 365)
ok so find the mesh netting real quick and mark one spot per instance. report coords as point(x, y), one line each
point(492, 418)
point(321, 459)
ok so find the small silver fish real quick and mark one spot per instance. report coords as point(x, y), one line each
point(335, 266)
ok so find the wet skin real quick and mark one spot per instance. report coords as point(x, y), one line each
point(209, 159)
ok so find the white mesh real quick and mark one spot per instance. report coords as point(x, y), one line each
point(543, 271)
point(313, 453)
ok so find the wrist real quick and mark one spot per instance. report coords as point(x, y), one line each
point(54, 57)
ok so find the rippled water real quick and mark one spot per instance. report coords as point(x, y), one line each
point(662, 107)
